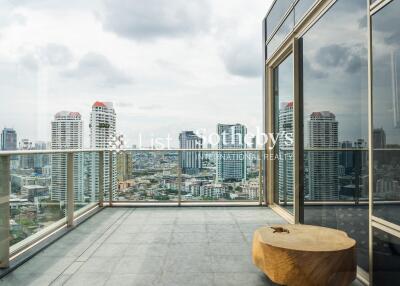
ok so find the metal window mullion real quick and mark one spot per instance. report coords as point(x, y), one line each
point(260, 178)
point(70, 189)
point(270, 129)
point(377, 6)
point(370, 148)
point(297, 136)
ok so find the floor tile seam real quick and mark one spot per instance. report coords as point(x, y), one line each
point(76, 259)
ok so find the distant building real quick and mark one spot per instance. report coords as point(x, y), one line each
point(26, 161)
point(231, 166)
point(254, 142)
point(32, 192)
point(124, 166)
point(346, 157)
point(41, 160)
point(285, 164)
point(66, 134)
point(213, 191)
point(191, 161)
point(323, 165)
point(25, 144)
point(102, 131)
point(251, 190)
point(379, 137)
point(8, 139)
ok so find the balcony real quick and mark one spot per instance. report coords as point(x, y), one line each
point(153, 246)
point(163, 226)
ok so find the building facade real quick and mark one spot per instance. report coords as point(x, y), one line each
point(66, 134)
point(124, 166)
point(342, 56)
point(323, 181)
point(102, 131)
point(8, 139)
point(191, 161)
point(285, 163)
point(231, 165)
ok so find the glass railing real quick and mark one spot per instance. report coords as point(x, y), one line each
point(34, 206)
point(147, 176)
point(42, 191)
point(184, 176)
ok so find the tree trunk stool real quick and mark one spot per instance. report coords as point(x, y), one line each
point(305, 255)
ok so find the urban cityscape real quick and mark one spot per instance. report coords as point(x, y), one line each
point(39, 182)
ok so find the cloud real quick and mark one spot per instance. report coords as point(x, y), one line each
point(312, 72)
point(29, 61)
point(242, 57)
point(98, 68)
point(339, 56)
point(55, 55)
point(146, 20)
point(50, 55)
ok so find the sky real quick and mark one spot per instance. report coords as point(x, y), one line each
point(167, 66)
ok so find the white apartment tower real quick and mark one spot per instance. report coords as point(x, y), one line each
point(102, 130)
point(191, 161)
point(285, 163)
point(323, 182)
point(66, 134)
point(231, 165)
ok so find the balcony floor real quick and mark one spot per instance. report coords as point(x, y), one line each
point(153, 246)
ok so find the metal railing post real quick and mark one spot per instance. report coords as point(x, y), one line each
point(110, 178)
point(70, 189)
point(4, 211)
point(101, 178)
point(179, 178)
point(260, 178)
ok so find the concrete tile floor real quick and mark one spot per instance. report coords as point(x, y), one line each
point(153, 246)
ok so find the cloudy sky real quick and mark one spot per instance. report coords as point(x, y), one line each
point(168, 66)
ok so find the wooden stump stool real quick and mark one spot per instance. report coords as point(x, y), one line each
point(305, 255)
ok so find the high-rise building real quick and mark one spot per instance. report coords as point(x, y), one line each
point(323, 182)
point(8, 139)
point(379, 137)
point(231, 166)
point(285, 164)
point(191, 161)
point(41, 160)
point(346, 157)
point(102, 131)
point(124, 166)
point(66, 134)
point(254, 142)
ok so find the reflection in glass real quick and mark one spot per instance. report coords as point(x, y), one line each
point(386, 258)
point(301, 8)
point(85, 193)
point(148, 176)
point(283, 31)
point(386, 112)
point(32, 206)
point(153, 176)
point(276, 14)
point(335, 101)
point(283, 124)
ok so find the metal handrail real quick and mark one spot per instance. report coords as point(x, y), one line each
point(66, 151)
